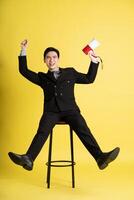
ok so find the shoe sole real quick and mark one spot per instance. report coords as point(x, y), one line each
point(17, 161)
point(27, 167)
point(111, 158)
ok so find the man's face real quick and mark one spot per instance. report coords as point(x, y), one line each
point(51, 60)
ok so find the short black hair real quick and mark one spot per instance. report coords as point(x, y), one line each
point(51, 49)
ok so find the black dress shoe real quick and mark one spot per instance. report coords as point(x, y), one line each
point(24, 160)
point(106, 158)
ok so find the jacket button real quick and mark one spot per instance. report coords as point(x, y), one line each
point(55, 93)
point(61, 94)
point(68, 81)
point(55, 86)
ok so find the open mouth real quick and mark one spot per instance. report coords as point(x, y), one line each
point(52, 64)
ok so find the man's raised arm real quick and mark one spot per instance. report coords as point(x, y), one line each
point(23, 69)
point(92, 71)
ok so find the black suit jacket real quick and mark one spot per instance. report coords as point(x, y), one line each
point(58, 94)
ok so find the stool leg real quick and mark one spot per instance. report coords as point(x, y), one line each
point(49, 160)
point(72, 157)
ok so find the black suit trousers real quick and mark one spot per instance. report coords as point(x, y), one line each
point(75, 120)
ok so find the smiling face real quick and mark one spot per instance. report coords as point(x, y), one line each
point(51, 59)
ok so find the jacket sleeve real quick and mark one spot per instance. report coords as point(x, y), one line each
point(28, 74)
point(89, 77)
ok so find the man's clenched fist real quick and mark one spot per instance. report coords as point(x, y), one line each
point(24, 44)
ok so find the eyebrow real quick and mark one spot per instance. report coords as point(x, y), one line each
point(51, 56)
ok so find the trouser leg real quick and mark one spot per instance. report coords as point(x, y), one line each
point(47, 122)
point(78, 124)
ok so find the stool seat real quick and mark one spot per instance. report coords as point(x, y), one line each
point(60, 163)
point(61, 123)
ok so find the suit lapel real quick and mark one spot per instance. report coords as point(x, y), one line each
point(62, 75)
point(51, 76)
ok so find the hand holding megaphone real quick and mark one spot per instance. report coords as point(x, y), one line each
point(89, 50)
point(93, 56)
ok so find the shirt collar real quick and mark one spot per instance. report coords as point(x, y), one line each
point(55, 70)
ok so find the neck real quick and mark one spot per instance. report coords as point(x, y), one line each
point(54, 70)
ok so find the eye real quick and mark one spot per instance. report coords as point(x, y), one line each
point(47, 57)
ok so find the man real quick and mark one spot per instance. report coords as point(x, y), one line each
point(59, 105)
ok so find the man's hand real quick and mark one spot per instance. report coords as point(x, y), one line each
point(94, 58)
point(23, 48)
point(24, 44)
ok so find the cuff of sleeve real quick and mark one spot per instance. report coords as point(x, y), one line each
point(23, 52)
point(96, 62)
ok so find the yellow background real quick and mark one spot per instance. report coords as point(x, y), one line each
point(107, 105)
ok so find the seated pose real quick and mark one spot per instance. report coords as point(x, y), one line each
point(59, 105)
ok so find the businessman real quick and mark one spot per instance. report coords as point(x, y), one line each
point(59, 105)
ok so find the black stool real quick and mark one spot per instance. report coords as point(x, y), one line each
point(50, 162)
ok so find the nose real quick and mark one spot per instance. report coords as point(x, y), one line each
point(51, 59)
